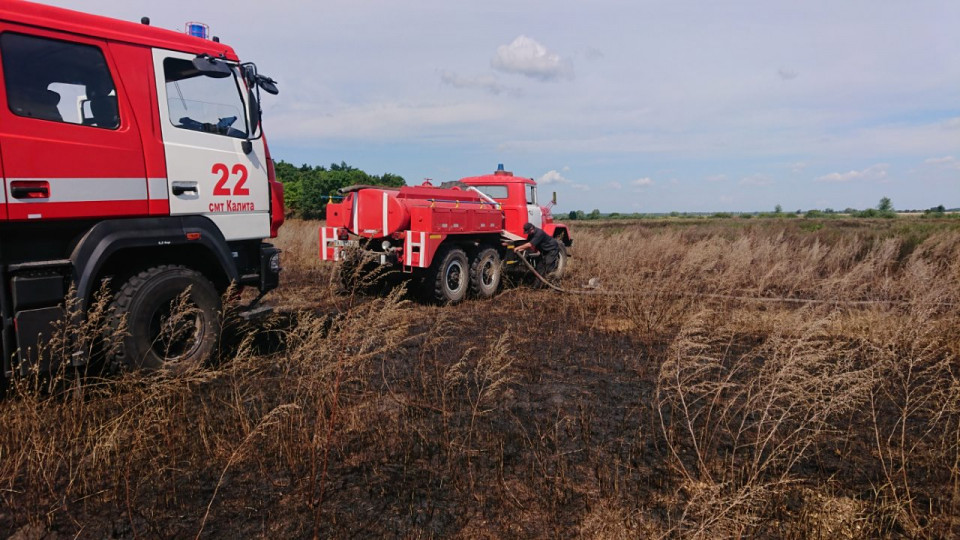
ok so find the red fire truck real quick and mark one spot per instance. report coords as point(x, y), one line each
point(134, 154)
point(449, 239)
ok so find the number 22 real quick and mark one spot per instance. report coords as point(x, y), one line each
point(238, 190)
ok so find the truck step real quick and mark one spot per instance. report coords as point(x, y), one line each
point(38, 265)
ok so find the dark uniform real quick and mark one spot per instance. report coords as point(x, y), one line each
point(549, 250)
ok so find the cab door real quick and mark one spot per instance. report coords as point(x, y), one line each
point(204, 126)
point(534, 213)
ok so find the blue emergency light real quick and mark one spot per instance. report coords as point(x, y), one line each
point(197, 29)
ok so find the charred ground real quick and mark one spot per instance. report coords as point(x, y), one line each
point(671, 405)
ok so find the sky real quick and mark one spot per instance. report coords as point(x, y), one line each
point(619, 105)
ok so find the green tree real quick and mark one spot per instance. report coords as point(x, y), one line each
point(778, 209)
point(308, 189)
point(885, 205)
point(594, 214)
point(573, 215)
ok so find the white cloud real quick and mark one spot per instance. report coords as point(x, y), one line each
point(553, 177)
point(798, 167)
point(487, 83)
point(641, 182)
point(945, 162)
point(756, 180)
point(952, 123)
point(556, 179)
point(717, 178)
point(874, 172)
point(526, 56)
point(381, 120)
point(614, 185)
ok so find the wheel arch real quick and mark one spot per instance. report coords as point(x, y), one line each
point(110, 246)
point(560, 232)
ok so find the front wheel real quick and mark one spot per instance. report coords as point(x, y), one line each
point(562, 261)
point(172, 318)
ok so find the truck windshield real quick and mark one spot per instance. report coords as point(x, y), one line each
point(201, 103)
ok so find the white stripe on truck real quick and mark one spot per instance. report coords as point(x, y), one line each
point(356, 212)
point(384, 213)
point(86, 189)
point(157, 189)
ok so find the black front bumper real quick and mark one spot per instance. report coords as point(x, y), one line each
point(269, 267)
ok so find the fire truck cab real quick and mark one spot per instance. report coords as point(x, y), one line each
point(132, 154)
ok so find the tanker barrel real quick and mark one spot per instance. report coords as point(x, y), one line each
point(379, 213)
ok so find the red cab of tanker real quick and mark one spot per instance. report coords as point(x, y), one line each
point(518, 198)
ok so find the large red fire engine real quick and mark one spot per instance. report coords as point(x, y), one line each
point(449, 239)
point(134, 154)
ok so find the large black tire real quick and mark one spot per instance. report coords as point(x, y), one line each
point(562, 261)
point(153, 339)
point(447, 279)
point(485, 273)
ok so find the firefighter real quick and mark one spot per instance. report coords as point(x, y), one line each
point(542, 242)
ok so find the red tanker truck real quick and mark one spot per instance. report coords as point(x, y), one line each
point(449, 239)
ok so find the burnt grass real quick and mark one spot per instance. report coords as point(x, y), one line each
point(669, 404)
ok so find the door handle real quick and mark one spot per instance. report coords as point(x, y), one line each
point(30, 189)
point(179, 188)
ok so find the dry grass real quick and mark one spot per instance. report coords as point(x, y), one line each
point(671, 407)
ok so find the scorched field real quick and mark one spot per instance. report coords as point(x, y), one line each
point(787, 378)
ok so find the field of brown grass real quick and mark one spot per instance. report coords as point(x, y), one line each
point(686, 400)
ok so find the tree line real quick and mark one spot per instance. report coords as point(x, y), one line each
point(307, 189)
point(884, 209)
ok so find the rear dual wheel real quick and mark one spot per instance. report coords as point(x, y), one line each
point(448, 278)
point(485, 273)
point(453, 274)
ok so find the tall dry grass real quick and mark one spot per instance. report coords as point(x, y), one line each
point(672, 405)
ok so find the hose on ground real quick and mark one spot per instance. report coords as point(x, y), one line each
point(715, 296)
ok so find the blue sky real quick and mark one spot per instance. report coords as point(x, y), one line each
point(630, 106)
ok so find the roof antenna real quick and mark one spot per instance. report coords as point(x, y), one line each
point(145, 20)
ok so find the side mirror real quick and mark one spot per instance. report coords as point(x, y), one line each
point(249, 71)
point(212, 67)
point(253, 113)
point(268, 85)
